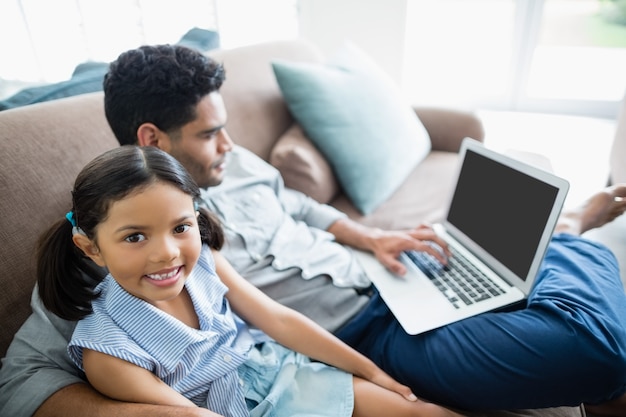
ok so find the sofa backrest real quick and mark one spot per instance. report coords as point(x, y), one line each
point(257, 114)
point(44, 146)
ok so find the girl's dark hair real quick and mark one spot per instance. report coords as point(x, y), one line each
point(65, 276)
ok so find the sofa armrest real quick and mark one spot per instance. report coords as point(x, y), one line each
point(447, 127)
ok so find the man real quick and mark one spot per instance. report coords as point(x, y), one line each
point(567, 346)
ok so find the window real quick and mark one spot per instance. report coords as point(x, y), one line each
point(562, 56)
point(43, 41)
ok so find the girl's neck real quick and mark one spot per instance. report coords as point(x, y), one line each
point(181, 308)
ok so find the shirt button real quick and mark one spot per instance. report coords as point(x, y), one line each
point(278, 264)
point(241, 382)
point(305, 274)
point(257, 257)
point(227, 358)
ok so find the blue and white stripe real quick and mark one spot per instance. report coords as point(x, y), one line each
point(200, 364)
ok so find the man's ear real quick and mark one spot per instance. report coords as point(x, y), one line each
point(150, 135)
point(89, 248)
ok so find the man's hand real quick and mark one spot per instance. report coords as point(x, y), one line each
point(388, 245)
point(80, 400)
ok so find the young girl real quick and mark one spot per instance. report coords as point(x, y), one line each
point(158, 327)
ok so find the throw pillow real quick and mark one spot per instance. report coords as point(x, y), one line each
point(303, 167)
point(353, 112)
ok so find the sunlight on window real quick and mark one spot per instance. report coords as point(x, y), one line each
point(561, 56)
point(262, 21)
point(580, 56)
point(45, 49)
point(457, 57)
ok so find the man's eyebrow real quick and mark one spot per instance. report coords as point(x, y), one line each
point(213, 130)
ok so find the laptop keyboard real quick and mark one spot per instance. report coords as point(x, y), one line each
point(459, 280)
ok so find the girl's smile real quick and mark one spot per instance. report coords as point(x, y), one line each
point(150, 242)
point(165, 278)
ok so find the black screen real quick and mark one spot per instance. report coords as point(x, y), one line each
point(501, 209)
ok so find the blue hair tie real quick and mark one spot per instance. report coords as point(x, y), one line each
point(70, 218)
point(75, 229)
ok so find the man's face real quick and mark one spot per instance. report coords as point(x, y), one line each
point(202, 144)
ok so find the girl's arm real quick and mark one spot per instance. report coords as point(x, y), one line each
point(124, 381)
point(296, 331)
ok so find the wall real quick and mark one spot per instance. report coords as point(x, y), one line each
point(376, 26)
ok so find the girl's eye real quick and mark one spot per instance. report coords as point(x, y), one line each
point(181, 228)
point(135, 238)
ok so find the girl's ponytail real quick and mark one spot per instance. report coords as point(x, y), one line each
point(65, 276)
point(211, 231)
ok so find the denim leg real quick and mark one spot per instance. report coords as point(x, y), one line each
point(566, 346)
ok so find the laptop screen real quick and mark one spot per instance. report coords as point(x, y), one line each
point(501, 209)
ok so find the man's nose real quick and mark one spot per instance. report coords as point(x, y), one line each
point(226, 143)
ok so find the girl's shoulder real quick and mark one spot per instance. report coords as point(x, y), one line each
point(206, 260)
point(203, 281)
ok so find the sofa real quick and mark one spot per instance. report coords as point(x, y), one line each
point(44, 146)
point(87, 76)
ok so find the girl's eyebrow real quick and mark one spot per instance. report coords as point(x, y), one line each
point(135, 227)
point(130, 227)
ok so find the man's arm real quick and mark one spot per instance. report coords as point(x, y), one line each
point(36, 364)
point(80, 400)
point(388, 245)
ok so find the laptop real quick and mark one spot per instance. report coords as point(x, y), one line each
point(500, 218)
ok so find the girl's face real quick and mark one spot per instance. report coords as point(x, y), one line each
point(149, 242)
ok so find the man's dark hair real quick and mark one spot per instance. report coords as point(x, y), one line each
point(159, 84)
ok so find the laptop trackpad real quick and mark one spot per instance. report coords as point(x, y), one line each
point(411, 298)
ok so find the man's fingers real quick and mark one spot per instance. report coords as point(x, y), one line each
point(438, 252)
point(394, 265)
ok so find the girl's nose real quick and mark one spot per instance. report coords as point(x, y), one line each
point(166, 249)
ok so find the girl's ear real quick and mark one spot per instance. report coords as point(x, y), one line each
point(89, 248)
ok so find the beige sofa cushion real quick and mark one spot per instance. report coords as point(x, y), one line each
point(422, 197)
point(303, 167)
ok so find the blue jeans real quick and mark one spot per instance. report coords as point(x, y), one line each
point(567, 345)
